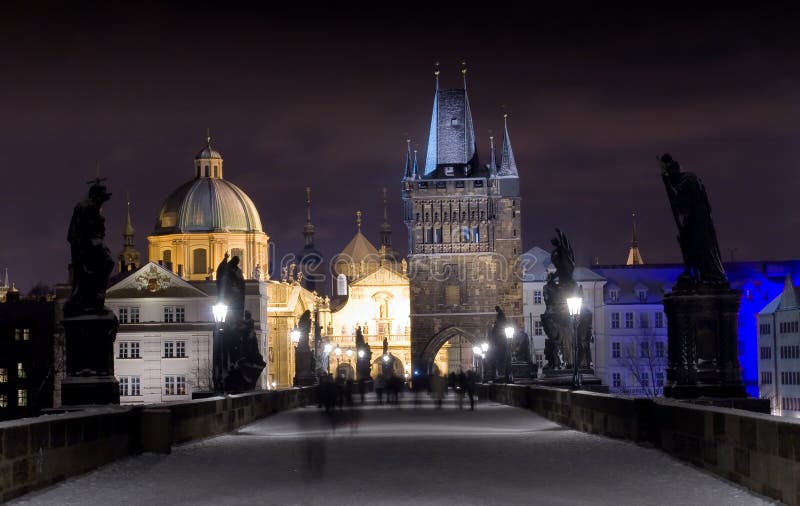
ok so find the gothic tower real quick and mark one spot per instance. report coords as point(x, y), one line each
point(464, 232)
point(128, 257)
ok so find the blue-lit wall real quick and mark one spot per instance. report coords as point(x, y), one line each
point(760, 282)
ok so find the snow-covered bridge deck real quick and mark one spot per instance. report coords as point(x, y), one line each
point(400, 455)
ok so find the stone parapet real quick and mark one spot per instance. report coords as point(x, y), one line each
point(37, 452)
point(756, 450)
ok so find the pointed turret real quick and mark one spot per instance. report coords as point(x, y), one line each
point(634, 257)
point(416, 166)
point(408, 171)
point(387, 252)
point(451, 139)
point(129, 258)
point(508, 166)
point(789, 295)
point(308, 228)
point(492, 160)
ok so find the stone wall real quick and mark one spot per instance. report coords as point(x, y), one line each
point(758, 451)
point(37, 452)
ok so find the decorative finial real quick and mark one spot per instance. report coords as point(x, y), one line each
point(436, 73)
point(358, 220)
point(385, 206)
point(208, 137)
point(464, 72)
point(308, 204)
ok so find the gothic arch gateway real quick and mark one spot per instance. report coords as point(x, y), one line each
point(434, 344)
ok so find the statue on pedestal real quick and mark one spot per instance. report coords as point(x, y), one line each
point(364, 359)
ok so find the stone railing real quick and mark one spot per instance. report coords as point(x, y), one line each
point(756, 450)
point(37, 452)
point(373, 340)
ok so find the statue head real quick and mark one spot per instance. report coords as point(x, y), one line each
point(98, 193)
point(671, 167)
point(234, 262)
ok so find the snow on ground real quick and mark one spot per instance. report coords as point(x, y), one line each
point(406, 455)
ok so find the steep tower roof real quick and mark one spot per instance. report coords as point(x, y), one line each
point(308, 228)
point(129, 257)
point(788, 299)
point(508, 166)
point(451, 139)
point(408, 170)
point(634, 257)
point(359, 257)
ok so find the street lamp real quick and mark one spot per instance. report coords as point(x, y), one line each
point(338, 352)
point(574, 305)
point(360, 353)
point(509, 336)
point(295, 335)
point(327, 349)
point(220, 311)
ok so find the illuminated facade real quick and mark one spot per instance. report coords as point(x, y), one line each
point(205, 218)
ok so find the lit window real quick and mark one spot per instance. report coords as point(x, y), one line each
point(17, 334)
point(26, 334)
point(3, 401)
point(22, 398)
point(21, 374)
point(3, 375)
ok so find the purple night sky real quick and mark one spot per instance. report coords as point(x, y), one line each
point(327, 98)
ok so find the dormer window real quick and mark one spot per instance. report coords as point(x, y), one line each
point(642, 295)
point(613, 294)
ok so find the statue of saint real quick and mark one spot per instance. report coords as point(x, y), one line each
point(230, 286)
point(563, 258)
point(91, 259)
point(696, 235)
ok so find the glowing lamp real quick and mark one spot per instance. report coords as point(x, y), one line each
point(574, 305)
point(219, 310)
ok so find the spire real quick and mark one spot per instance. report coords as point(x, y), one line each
point(308, 228)
point(208, 137)
point(358, 220)
point(407, 172)
point(464, 73)
point(5, 278)
point(789, 295)
point(129, 258)
point(634, 257)
point(492, 160)
point(416, 166)
point(436, 74)
point(386, 229)
point(508, 166)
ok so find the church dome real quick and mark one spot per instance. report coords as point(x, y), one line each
point(208, 205)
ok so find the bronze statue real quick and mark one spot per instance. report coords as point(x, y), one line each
point(91, 259)
point(696, 235)
point(563, 258)
point(230, 286)
point(304, 326)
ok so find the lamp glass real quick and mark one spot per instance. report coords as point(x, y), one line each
point(219, 310)
point(337, 351)
point(574, 305)
point(509, 332)
point(361, 353)
point(295, 335)
point(349, 353)
point(386, 358)
point(485, 347)
point(476, 350)
point(327, 347)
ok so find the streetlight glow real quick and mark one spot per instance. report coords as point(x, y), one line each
point(295, 335)
point(327, 347)
point(509, 332)
point(386, 358)
point(360, 353)
point(574, 305)
point(219, 310)
point(349, 353)
point(337, 351)
point(485, 347)
point(476, 350)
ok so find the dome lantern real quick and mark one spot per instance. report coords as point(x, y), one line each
point(208, 162)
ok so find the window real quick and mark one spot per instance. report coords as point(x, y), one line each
point(642, 295)
point(180, 349)
point(537, 296)
point(538, 330)
point(22, 334)
point(22, 398)
point(129, 314)
point(167, 257)
point(3, 401)
point(454, 122)
point(645, 379)
point(129, 386)
point(428, 236)
point(766, 377)
point(789, 352)
point(174, 385)
point(437, 236)
point(21, 374)
point(123, 315)
point(3, 375)
point(614, 320)
point(476, 235)
point(659, 320)
point(660, 379)
point(615, 350)
point(613, 294)
point(628, 320)
point(616, 380)
point(128, 349)
point(199, 262)
point(452, 295)
point(790, 378)
point(660, 349)
point(644, 349)
point(765, 329)
point(644, 320)
point(169, 349)
point(174, 314)
point(765, 353)
point(788, 327)
point(465, 234)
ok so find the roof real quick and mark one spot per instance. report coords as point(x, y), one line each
point(629, 279)
point(208, 153)
point(536, 263)
point(206, 205)
point(451, 139)
point(788, 299)
point(508, 165)
point(359, 248)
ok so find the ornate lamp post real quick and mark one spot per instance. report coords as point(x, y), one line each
point(327, 349)
point(338, 352)
point(220, 311)
point(574, 305)
point(509, 337)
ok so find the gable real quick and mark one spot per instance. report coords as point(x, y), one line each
point(153, 280)
point(382, 276)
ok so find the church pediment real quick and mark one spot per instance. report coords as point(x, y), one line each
point(382, 276)
point(153, 280)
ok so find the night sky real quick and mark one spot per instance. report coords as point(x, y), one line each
point(326, 99)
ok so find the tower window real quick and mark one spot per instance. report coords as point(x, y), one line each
point(199, 262)
point(206, 170)
point(454, 122)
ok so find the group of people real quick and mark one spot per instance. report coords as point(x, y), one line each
point(390, 385)
point(461, 383)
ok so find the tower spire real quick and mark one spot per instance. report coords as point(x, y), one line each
point(436, 74)
point(208, 137)
point(128, 257)
point(634, 256)
point(508, 165)
point(407, 172)
point(492, 160)
point(308, 228)
point(464, 73)
point(358, 219)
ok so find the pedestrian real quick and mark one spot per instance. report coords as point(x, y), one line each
point(461, 387)
point(379, 388)
point(471, 389)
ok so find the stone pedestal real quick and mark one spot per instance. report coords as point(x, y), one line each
point(521, 371)
point(702, 343)
point(304, 375)
point(90, 360)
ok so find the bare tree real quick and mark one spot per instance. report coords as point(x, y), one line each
point(645, 358)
